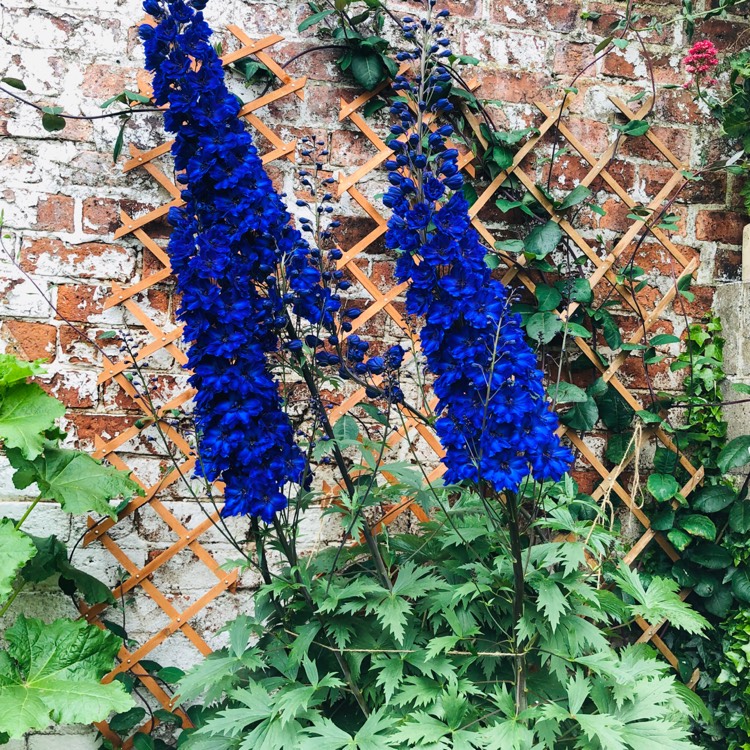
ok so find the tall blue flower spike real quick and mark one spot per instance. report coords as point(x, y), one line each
point(494, 422)
point(228, 241)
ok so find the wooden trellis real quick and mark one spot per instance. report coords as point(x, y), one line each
point(381, 303)
point(553, 123)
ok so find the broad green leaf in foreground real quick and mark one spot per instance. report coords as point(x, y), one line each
point(16, 549)
point(80, 484)
point(52, 672)
point(26, 411)
point(14, 371)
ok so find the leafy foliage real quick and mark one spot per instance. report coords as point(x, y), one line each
point(423, 653)
point(52, 672)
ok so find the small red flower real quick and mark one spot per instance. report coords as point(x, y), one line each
point(701, 58)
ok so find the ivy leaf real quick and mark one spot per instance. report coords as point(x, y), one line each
point(735, 453)
point(711, 556)
point(577, 195)
point(542, 327)
point(26, 412)
point(368, 69)
point(52, 672)
point(739, 517)
point(543, 239)
point(80, 484)
point(713, 499)
point(699, 525)
point(662, 486)
point(582, 417)
point(547, 297)
point(16, 549)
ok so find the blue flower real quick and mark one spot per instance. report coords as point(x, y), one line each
point(494, 422)
point(226, 245)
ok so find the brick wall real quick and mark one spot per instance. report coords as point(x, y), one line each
point(61, 193)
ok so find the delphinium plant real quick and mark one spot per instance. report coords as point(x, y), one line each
point(504, 622)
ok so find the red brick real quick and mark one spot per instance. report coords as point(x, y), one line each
point(50, 256)
point(100, 215)
point(720, 226)
point(89, 427)
point(513, 86)
point(572, 57)
point(103, 81)
point(55, 213)
point(724, 33)
point(615, 65)
point(62, 387)
point(728, 265)
point(79, 302)
point(543, 15)
point(33, 340)
point(676, 140)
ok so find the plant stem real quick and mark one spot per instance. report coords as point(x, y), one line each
point(514, 532)
point(341, 464)
point(291, 555)
point(26, 514)
point(13, 596)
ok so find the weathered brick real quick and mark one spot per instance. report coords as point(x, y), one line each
point(720, 226)
point(33, 340)
point(56, 213)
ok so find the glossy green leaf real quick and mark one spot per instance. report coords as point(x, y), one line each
point(566, 393)
point(582, 416)
point(662, 486)
point(711, 556)
point(663, 520)
point(741, 584)
point(368, 69)
point(543, 239)
point(699, 525)
point(542, 327)
point(736, 453)
point(714, 498)
point(739, 517)
point(577, 195)
point(315, 18)
point(547, 297)
point(679, 539)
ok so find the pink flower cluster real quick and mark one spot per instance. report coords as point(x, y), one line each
point(701, 59)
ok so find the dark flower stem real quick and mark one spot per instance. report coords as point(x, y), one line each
point(514, 532)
